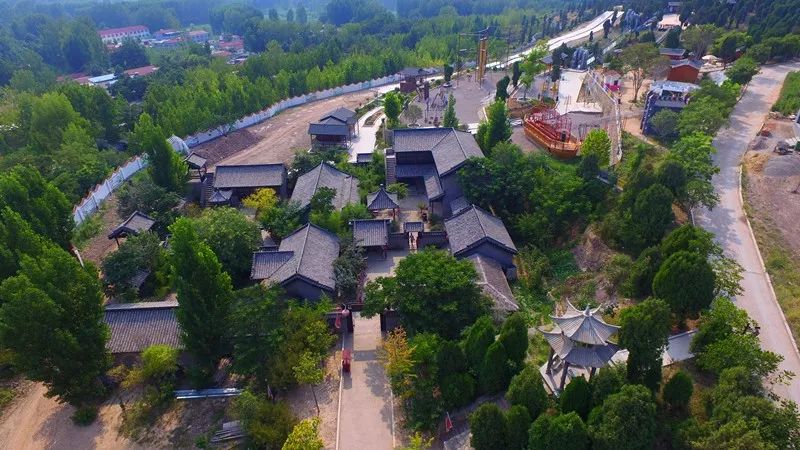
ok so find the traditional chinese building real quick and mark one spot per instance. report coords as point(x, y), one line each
point(579, 343)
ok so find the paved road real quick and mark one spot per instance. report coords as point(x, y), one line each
point(365, 141)
point(728, 222)
point(365, 414)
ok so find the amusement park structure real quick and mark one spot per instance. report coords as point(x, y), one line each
point(553, 131)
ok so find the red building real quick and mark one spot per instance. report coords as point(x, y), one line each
point(685, 70)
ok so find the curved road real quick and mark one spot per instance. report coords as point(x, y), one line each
point(729, 223)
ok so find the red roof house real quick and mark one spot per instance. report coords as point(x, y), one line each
point(685, 70)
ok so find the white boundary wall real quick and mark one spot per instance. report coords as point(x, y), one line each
point(95, 198)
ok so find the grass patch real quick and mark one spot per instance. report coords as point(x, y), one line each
point(780, 262)
point(789, 100)
point(7, 394)
point(635, 152)
point(88, 229)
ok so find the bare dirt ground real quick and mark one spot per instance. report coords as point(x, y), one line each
point(100, 246)
point(771, 178)
point(301, 399)
point(33, 421)
point(276, 139)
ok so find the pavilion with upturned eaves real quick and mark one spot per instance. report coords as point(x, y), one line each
point(578, 343)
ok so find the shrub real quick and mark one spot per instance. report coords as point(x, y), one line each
point(526, 389)
point(743, 70)
point(561, 432)
point(494, 373)
point(518, 422)
point(489, 428)
point(457, 390)
point(625, 421)
point(514, 337)
point(608, 380)
point(479, 337)
point(85, 415)
point(267, 424)
point(304, 436)
point(577, 397)
point(451, 359)
point(678, 390)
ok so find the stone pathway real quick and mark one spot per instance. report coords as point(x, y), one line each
point(366, 420)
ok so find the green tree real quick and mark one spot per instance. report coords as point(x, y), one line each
point(129, 55)
point(699, 37)
point(449, 120)
point(413, 113)
point(489, 428)
point(514, 337)
point(51, 321)
point(743, 70)
point(432, 291)
point(665, 124)
point(644, 329)
point(721, 320)
point(678, 390)
point(494, 374)
point(526, 389)
point(516, 73)
point(39, 203)
point(348, 267)
point(518, 422)
point(686, 282)
point(204, 295)
point(608, 380)
point(448, 73)
point(304, 435)
point(267, 424)
point(532, 65)
point(632, 408)
point(166, 166)
point(479, 336)
point(501, 94)
point(673, 38)
point(233, 238)
point(652, 214)
point(142, 252)
point(143, 195)
point(597, 143)
point(560, 432)
point(496, 128)
point(283, 219)
point(256, 330)
point(640, 60)
point(308, 371)
point(702, 115)
point(17, 238)
point(577, 397)
point(392, 107)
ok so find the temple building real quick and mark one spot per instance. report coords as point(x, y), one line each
point(579, 344)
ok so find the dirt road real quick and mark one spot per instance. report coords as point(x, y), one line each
point(36, 422)
point(729, 223)
point(276, 139)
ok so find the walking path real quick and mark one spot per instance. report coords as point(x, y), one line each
point(366, 420)
point(365, 142)
point(729, 223)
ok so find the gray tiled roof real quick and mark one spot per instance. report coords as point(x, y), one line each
point(371, 233)
point(449, 147)
point(584, 356)
point(458, 205)
point(363, 158)
point(473, 226)
point(136, 223)
point(309, 253)
point(672, 51)
point(325, 175)
point(492, 280)
point(249, 176)
point(413, 227)
point(433, 186)
point(220, 196)
point(586, 326)
point(136, 326)
point(329, 129)
point(195, 161)
point(341, 114)
point(382, 199)
point(687, 62)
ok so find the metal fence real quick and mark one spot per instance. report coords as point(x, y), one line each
point(95, 198)
point(610, 105)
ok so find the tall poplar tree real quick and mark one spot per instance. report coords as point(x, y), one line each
point(204, 294)
point(166, 166)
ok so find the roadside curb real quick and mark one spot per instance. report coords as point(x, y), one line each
point(763, 266)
